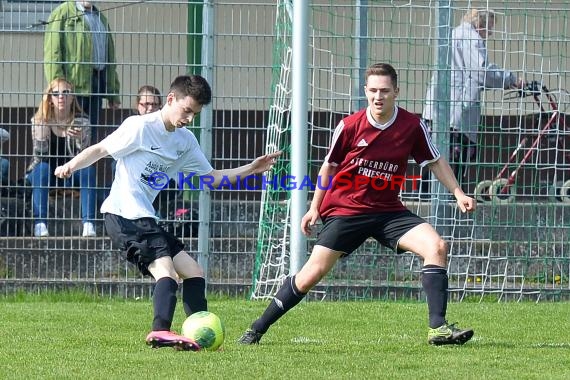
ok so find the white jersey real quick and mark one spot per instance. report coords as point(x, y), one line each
point(145, 150)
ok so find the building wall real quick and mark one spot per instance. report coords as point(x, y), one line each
point(152, 46)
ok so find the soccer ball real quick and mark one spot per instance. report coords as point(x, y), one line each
point(206, 329)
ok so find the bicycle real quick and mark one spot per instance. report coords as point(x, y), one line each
point(501, 189)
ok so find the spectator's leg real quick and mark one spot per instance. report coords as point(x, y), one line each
point(469, 154)
point(455, 154)
point(4, 170)
point(93, 104)
point(39, 178)
point(92, 107)
point(88, 193)
point(424, 187)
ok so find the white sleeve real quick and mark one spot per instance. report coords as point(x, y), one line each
point(125, 139)
point(332, 156)
point(194, 160)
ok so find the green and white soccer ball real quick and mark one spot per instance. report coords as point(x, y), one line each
point(206, 329)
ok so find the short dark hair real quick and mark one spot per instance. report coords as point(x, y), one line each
point(383, 69)
point(194, 86)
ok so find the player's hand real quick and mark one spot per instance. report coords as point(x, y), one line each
point(114, 105)
point(63, 171)
point(308, 221)
point(466, 203)
point(264, 163)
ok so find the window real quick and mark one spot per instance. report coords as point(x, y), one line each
point(25, 16)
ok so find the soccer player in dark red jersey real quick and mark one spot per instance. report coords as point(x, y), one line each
point(368, 147)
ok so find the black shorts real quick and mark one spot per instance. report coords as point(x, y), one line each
point(347, 233)
point(142, 239)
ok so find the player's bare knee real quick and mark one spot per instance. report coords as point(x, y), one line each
point(442, 247)
point(441, 251)
point(305, 280)
point(435, 252)
point(186, 266)
point(161, 276)
point(196, 271)
point(162, 267)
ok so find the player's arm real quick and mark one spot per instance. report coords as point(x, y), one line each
point(84, 159)
point(326, 173)
point(260, 165)
point(444, 174)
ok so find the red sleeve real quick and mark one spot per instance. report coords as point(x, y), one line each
point(424, 150)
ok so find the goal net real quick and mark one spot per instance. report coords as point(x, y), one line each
point(516, 244)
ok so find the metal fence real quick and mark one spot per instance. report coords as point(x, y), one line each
point(149, 51)
point(520, 247)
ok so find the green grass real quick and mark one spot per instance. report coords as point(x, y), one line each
point(77, 337)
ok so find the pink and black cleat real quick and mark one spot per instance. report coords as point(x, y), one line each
point(158, 339)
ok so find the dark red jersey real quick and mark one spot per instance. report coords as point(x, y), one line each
point(372, 159)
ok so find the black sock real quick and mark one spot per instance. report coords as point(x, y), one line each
point(164, 302)
point(285, 299)
point(194, 295)
point(435, 284)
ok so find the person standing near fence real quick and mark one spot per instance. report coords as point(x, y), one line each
point(60, 129)
point(78, 46)
point(150, 148)
point(4, 163)
point(366, 161)
point(471, 74)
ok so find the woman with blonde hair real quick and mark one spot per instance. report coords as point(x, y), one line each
point(60, 130)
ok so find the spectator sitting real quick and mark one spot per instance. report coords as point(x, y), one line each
point(60, 130)
point(148, 100)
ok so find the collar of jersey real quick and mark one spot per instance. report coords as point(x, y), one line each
point(375, 124)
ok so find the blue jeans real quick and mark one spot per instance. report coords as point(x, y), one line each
point(40, 179)
point(4, 170)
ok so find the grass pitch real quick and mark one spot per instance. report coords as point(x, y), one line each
point(75, 337)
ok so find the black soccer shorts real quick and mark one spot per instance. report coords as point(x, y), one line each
point(142, 239)
point(347, 233)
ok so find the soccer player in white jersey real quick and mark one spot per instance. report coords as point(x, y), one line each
point(369, 151)
point(143, 146)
